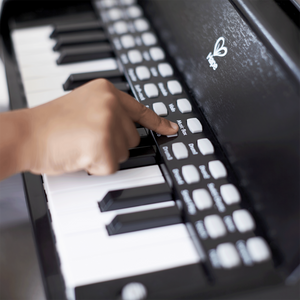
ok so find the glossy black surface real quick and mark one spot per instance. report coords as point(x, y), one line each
point(142, 220)
point(135, 197)
point(250, 101)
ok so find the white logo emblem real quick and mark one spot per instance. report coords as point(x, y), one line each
point(219, 50)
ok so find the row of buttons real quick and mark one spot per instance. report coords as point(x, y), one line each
point(164, 69)
point(191, 174)
point(228, 255)
point(151, 89)
point(128, 41)
point(122, 27)
point(181, 152)
point(132, 12)
point(112, 3)
point(216, 228)
point(136, 57)
point(203, 199)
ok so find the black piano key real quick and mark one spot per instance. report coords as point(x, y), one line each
point(79, 39)
point(76, 80)
point(85, 53)
point(125, 223)
point(139, 157)
point(119, 199)
point(94, 25)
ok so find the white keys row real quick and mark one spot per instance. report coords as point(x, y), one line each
point(89, 255)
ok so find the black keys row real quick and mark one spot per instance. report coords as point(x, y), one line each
point(126, 198)
point(125, 223)
point(114, 76)
point(90, 26)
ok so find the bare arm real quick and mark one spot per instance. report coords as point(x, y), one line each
point(91, 128)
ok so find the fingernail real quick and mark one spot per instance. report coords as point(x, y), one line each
point(174, 126)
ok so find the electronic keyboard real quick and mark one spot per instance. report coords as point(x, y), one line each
point(177, 220)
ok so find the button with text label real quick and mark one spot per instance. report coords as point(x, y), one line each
point(160, 109)
point(120, 27)
point(190, 174)
point(165, 70)
point(141, 25)
point(142, 73)
point(228, 256)
point(194, 125)
point(134, 12)
point(151, 90)
point(217, 169)
point(127, 41)
point(202, 199)
point(184, 106)
point(174, 87)
point(135, 56)
point(149, 39)
point(230, 194)
point(205, 146)
point(258, 249)
point(214, 226)
point(180, 151)
point(243, 220)
point(157, 53)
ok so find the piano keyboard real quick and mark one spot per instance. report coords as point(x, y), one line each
point(203, 221)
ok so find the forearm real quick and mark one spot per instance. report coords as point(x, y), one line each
point(14, 137)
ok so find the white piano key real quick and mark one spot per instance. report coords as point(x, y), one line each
point(38, 71)
point(83, 220)
point(79, 180)
point(34, 47)
point(79, 200)
point(29, 35)
point(98, 242)
point(134, 261)
point(32, 60)
point(43, 84)
point(39, 98)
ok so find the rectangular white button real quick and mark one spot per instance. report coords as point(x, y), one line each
point(149, 39)
point(205, 146)
point(127, 41)
point(194, 125)
point(141, 25)
point(151, 90)
point(214, 226)
point(230, 194)
point(120, 27)
point(157, 53)
point(258, 249)
point(134, 12)
point(160, 109)
point(180, 151)
point(190, 174)
point(165, 70)
point(184, 106)
point(174, 87)
point(217, 169)
point(228, 256)
point(243, 220)
point(135, 56)
point(115, 14)
point(142, 73)
point(202, 199)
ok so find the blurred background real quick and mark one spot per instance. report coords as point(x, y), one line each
point(19, 272)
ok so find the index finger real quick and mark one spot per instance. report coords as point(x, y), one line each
point(146, 117)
